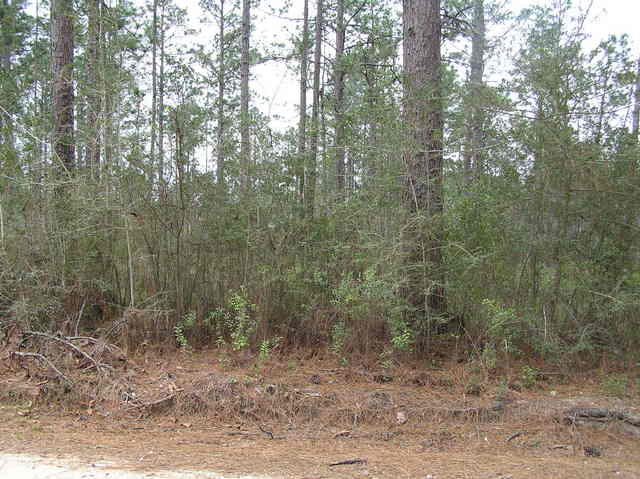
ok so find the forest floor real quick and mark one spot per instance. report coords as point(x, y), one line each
point(293, 418)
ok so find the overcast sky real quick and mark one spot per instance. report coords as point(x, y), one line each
point(606, 17)
point(279, 87)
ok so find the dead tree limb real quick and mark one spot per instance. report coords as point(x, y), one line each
point(43, 359)
point(103, 345)
point(70, 346)
point(84, 302)
point(348, 462)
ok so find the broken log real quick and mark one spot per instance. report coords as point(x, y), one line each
point(596, 415)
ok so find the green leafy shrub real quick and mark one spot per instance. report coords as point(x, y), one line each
point(188, 321)
point(364, 302)
point(339, 334)
point(239, 320)
point(235, 322)
point(529, 377)
point(266, 348)
point(502, 330)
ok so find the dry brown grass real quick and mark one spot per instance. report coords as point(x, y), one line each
point(292, 417)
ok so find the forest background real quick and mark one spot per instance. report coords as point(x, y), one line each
point(481, 193)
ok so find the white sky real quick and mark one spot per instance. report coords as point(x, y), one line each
point(279, 86)
point(606, 17)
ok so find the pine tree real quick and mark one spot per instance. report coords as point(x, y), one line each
point(424, 123)
point(63, 95)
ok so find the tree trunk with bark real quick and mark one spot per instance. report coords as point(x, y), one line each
point(302, 122)
point(154, 82)
point(94, 94)
point(473, 162)
point(63, 96)
point(7, 47)
point(245, 134)
point(160, 113)
point(339, 76)
point(423, 118)
point(310, 184)
point(221, 123)
point(635, 128)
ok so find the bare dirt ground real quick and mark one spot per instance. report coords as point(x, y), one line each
point(293, 418)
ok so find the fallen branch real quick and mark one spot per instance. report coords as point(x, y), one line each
point(42, 358)
point(349, 462)
point(111, 348)
point(514, 436)
point(70, 346)
point(559, 446)
point(268, 433)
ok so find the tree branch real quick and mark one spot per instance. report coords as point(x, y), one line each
point(42, 358)
point(70, 346)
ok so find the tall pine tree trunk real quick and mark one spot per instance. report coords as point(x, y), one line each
point(302, 122)
point(339, 75)
point(63, 96)
point(635, 127)
point(7, 141)
point(108, 68)
point(94, 94)
point(154, 82)
point(310, 190)
point(245, 134)
point(473, 150)
point(221, 123)
point(161, 101)
point(423, 118)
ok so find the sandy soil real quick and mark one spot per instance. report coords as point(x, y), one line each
point(155, 447)
point(35, 467)
point(333, 414)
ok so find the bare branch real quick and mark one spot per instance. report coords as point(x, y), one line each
point(70, 346)
point(43, 359)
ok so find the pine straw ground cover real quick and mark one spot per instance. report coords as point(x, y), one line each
point(293, 417)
